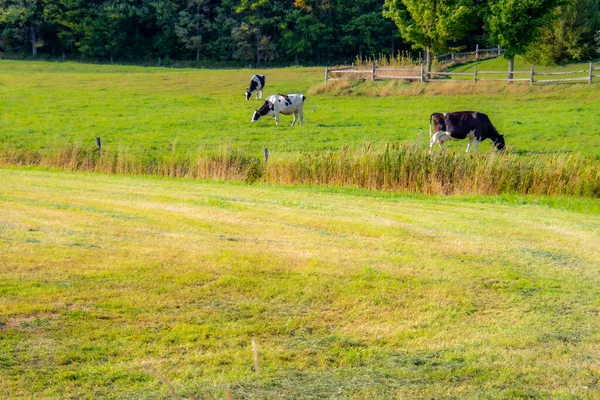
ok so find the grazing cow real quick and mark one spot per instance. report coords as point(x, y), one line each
point(281, 104)
point(474, 126)
point(257, 84)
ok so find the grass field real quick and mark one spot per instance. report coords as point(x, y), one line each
point(119, 287)
point(130, 287)
point(153, 112)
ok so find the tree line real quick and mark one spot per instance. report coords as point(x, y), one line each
point(268, 32)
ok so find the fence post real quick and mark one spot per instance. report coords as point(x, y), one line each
point(451, 57)
point(499, 51)
point(99, 144)
point(326, 74)
point(422, 73)
point(591, 72)
point(373, 73)
point(532, 74)
point(266, 155)
point(477, 51)
point(475, 76)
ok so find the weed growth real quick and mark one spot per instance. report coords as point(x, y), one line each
point(395, 167)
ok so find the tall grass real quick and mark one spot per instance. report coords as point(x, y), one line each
point(395, 167)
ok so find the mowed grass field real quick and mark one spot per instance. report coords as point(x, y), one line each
point(140, 287)
point(153, 112)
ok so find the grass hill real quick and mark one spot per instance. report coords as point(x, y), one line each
point(159, 112)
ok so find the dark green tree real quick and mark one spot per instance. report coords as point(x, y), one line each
point(261, 18)
point(571, 36)
point(23, 21)
point(193, 24)
point(364, 29)
point(307, 32)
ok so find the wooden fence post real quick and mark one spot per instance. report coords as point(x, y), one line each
point(499, 51)
point(475, 76)
point(326, 74)
point(422, 73)
point(255, 354)
point(266, 155)
point(99, 144)
point(591, 72)
point(532, 74)
point(477, 51)
point(373, 73)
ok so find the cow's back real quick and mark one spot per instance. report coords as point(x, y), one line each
point(288, 103)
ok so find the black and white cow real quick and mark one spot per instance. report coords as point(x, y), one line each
point(471, 125)
point(281, 104)
point(257, 84)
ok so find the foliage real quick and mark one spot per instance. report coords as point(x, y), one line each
point(264, 31)
point(513, 25)
point(570, 36)
point(23, 21)
point(302, 31)
point(429, 25)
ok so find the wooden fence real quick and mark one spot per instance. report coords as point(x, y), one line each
point(419, 75)
point(478, 54)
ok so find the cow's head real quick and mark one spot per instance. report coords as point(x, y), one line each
point(500, 143)
point(248, 94)
point(256, 116)
point(264, 110)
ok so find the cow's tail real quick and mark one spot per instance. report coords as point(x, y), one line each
point(430, 126)
point(311, 106)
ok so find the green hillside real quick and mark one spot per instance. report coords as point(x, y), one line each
point(161, 112)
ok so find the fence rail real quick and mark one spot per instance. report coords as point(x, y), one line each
point(374, 73)
point(478, 54)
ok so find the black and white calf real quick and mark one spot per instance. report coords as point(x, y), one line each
point(281, 104)
point(257, 84)
point(471, 125)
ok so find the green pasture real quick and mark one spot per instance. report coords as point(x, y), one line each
point(146, 288)
point(156, 111)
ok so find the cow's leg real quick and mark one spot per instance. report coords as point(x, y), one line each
point(276, 118)
point(470, 138)
point(295, 117)
point(476, 146)
point(439, 137)
point(301, 116)
point(470, 142)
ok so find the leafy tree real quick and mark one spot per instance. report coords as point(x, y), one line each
point(66, 17)
point(260, 16)
point(161, 25)
point(243, 38)
point(221, 43)
point(102, 33)
point(23, 21)
point(514, 24)
point(307, 31)
point(571, 36)
point(430, 24)
point(193, 24)
point(365, 29)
